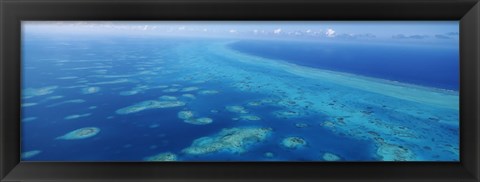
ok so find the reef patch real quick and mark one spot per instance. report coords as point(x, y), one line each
point(231, 140)
point(149, 104)
point(81, 133)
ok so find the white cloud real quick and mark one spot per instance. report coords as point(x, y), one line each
point(233, 31)
point(277, 31)
point(330, 33)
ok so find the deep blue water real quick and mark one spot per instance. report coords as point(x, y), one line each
point(428, 65)
point(182, 63)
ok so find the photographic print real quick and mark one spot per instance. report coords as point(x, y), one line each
point(249, 91)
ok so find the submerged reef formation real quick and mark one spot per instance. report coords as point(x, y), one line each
point(268, 154)
point(54, 97)
point(389, 152)
point(149, 104)
point(30, 154)
point(68, 78)
point(28, 119)
point(254, 103)
point(170, 90)
point(76, 116)
point(250, 118)
point(185, 115)
point(81, 133)
point(328, 124)
point(330, 157)
point(29, 104)
point(294, 142)
point(141, 88)
point(231, 140)
point(111, 82)
point(189, 96)
point(301, 125)
point(168, 97)
point(129, 92)
point(74, 101)
point(188, 117)
point(167, 156)
point(189, 89)
point(161, 86)
point(199, 121)
point(237, 109)
point(33, 92)
point(90, 90)
point(208, 92)
point(287, 114)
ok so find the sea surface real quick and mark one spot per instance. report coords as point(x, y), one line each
point(426, 65)
point(195, 99)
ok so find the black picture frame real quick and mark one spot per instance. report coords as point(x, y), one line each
point(12, 12)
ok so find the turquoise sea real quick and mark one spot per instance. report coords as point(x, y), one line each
point(197, 99)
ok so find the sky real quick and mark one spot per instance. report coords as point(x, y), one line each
point(437, 32)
